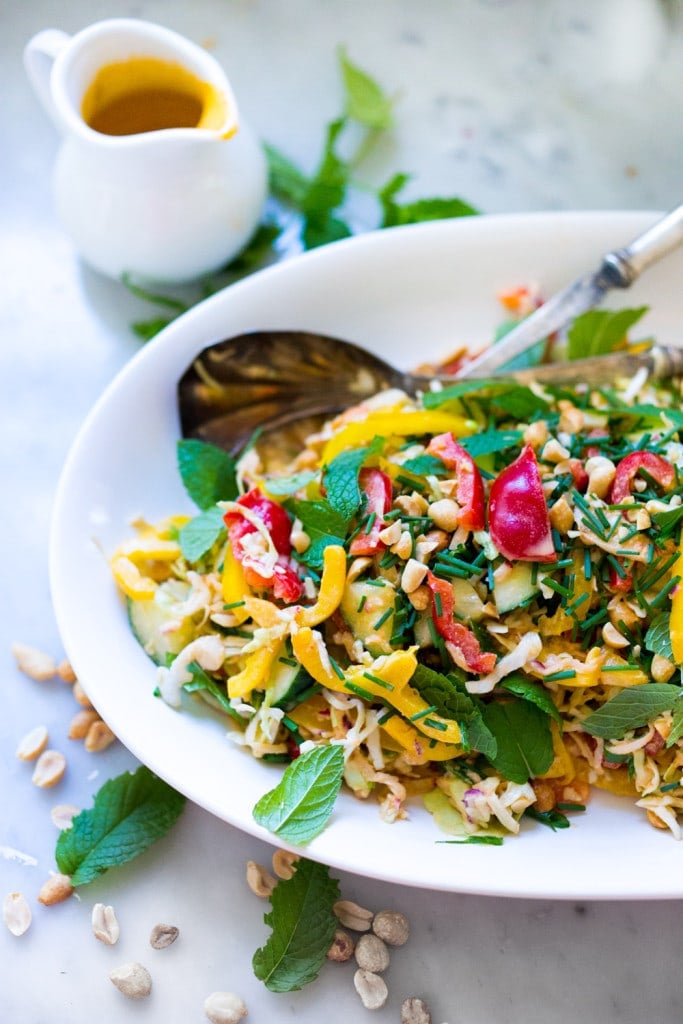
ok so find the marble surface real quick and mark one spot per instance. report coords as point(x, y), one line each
point(514, 106)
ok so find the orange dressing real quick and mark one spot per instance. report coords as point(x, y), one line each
point(145, 94)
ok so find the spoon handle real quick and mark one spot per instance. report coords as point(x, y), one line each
point(660, 361)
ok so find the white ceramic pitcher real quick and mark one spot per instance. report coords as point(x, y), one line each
point(157, 175)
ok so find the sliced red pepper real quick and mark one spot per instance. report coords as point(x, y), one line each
point(443, 602)
point(285, 582)
point(618, 583)
point(518, 512)
point(661, 471)
point(376, 486)
point(579, 474)
point(469, 490)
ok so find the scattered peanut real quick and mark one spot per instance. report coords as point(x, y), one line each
point(62, 815)
point(57, 889)
point(415, 1011)
point(392, 926)
point(661, 669)
point(163, 935)
point(99, 737)
point(413, 575)
point(66, 673)
point(32, 744)
point(612, 636)
point(601, 472)
point(445, 514)
point(284, 863)
point(358, 919)
point(49, 769)
point(224, 1008)
point(81, 722)
point(403, 546)
point(81, 696)
point(553, 451)
point(105, 927)
point(133, 980)
point(342, 947)
point(16, 913)
point(259, 880)
point(561, 515)
point(371, 953)
point(34, 663)
point(371, 988)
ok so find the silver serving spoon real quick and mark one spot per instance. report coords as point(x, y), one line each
point(268, 379)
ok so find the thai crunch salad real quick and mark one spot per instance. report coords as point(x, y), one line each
point(475, 594)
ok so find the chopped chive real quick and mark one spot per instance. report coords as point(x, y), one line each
point(555, 677)
point(370, 523)
point(289, 661)
point(473, 841)
point(383, 618)
point(620, 668)
point(587, 563)
point(557, 541)
point(438, 604)
point(597, 617)
point(669, 786)
point(243, 633)
point(571, 608)
point(375, 583)
point(415, 484)
point(360, 692)
point(665, 591)
point(422, 714)
point(380, 682)
point(557, 587)
point(290, 725)
point(336, 668)
point(570, 807)
point(361, 603)
point(433, 724)
point(386, 715)
point(618, 568)
point(233, 604)
point(534, 574)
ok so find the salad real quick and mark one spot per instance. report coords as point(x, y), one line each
point(476, 593)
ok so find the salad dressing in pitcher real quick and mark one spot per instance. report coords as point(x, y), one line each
point(158, 175)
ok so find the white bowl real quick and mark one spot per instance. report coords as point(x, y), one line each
point(407, 293)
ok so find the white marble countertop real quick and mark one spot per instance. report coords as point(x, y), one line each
point(512, 105)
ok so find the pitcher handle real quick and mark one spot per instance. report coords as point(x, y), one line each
point(39, 57)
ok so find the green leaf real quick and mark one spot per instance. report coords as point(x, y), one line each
point(323, 524)
point(490, 441)
point(340, 477)
point(463, 389)
point(476, 735)
point(473, 841)
point(553, 819)
point(159, 299)
point(521, 402)
point(600, 331)
point(630, 709)
point(444, 694)
point(130, 813)
point(203, 683)
point(420, 210)
point(148, 329)
point(366, 102)
point(676, 724)
point(658, 636)
point(286, 180)
point(303, 926)
point(289, 484)
point(425, 465)
point(301, 804)
point(524, 741)
point(258, 249)
point(201, 533)
point(527, 689)
point(326, 191)
point(207, 472)
point(669, 520)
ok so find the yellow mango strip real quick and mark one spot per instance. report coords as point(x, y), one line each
point(262, 612)
point(408, 739)
point(254, 676)
point(130, 580)
point(563, 764)
point(620, 675)
point(387, 680)
point(312, 714)
point(395, 424)
point(149, 547)
point(331, 589)
point(676, 624)
point(234, 586)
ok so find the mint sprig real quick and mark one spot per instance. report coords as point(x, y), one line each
point(523, 739)
point(600, 331)
point(207, 472)
point(632, 708)
point(301, 805)
point(199, 535)
point(130, 812)
point(303, 926)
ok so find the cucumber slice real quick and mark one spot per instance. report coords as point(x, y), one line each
point(512, 585)
point(286, 686)
point(159, 625)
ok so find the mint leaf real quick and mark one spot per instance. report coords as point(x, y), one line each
point(290, 484)
point(201, 533)
point(476, 735)
point(490, 441)
point(258, 249)
point(658, 636)
point(553, 819)
point(147, 329)
point(207, 472)
point(366, 102)
point(521, 402)
point(303, 926)
point(463, 389)
point(341, 479)
point(325, 193)
point(130, 813)
point(301, 804)
point(676, 724)
point(323, 524)
point(419, 210)
point(203, 683)
point(473, 841)
point(443, 693)
point(286, 180)
point(527, 689)
point(669, 520)
point(600, 331)
point(524, 741)
point(630, 709)
point(425, 465)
